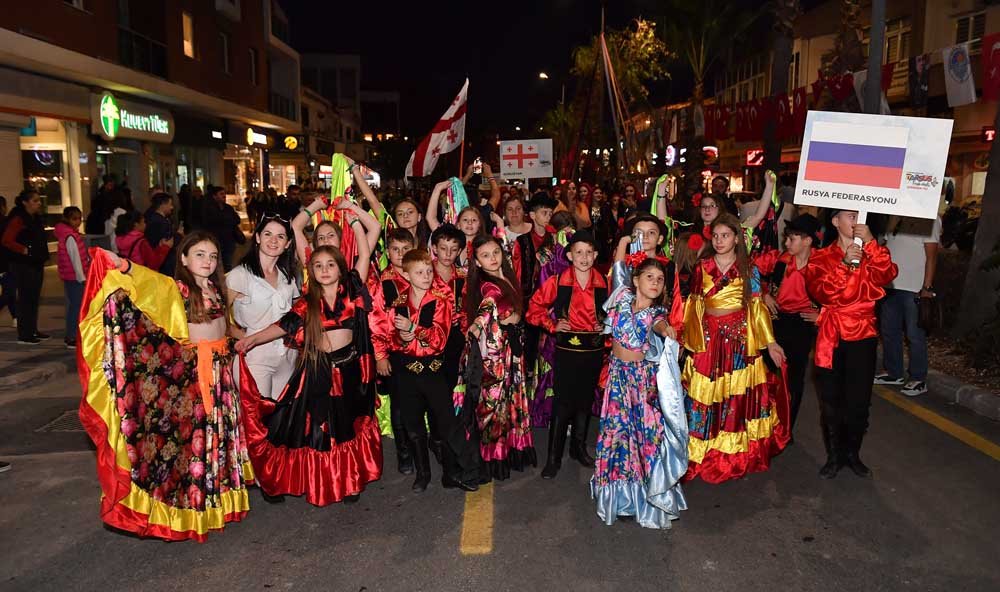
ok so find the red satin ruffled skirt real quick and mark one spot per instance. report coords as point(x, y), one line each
point(737, 407)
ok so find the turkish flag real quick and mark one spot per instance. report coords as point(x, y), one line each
point(755, 119)
point(782, 117)
point(817, 88)
point(991, 67)
point(887, 71)
point(722, 122)
point(800, 105)
point(742, 130)
point(842, 87)
point(710, 122)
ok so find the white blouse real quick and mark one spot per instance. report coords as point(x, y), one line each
point(260, 304)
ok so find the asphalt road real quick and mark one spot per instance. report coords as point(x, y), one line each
point(928, 521)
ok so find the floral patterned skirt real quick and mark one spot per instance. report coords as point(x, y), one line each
point(179, 415)
point(637, 472)
point(737, 408)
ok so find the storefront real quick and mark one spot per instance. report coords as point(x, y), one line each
point(288, 163)
point(245, 161)
point(197, 155)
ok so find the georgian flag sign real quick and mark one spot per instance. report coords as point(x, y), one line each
point(525, 159)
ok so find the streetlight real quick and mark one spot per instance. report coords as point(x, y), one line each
point(517, 128)
point(543, 75)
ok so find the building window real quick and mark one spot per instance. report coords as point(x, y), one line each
point(253, 66)
point(187, 26)
point(896, 47)
point(305, 116)
point(971, 28)
point(224, 51)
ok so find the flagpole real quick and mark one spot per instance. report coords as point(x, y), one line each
point(461, 150)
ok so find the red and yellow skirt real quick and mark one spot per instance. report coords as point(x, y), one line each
point(737, 408)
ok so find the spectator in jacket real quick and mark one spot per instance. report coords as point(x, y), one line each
point(133, 245)
point(222, 220)
point(7, 286)
point(73, 264)
point(24, 241)
point(160, 227)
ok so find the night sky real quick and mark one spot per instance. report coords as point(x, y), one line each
point(424, 50)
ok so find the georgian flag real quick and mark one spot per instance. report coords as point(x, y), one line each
point(447, 134)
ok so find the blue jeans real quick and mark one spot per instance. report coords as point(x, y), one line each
point(74, 297)
point(899, 315)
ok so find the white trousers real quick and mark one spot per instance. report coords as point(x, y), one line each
point(271, 365)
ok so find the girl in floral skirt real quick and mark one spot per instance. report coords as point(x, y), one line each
point(159, 400)
point(642, 444)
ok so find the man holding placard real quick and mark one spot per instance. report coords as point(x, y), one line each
point(852, 164)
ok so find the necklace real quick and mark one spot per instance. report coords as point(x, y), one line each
point(723, 268)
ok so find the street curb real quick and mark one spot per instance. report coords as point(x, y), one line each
point(36, 374)
point(954, 391)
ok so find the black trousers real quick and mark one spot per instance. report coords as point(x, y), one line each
point(428, 392)
point(453, 354)
point(28, 277)
point(796, 336)
point(532, 334)
point(846, 389)
point(575, 379)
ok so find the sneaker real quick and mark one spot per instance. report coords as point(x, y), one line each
point(42, 336)
point(4, 466)
point(887, 379)
point(29, 341)
point(914, 388)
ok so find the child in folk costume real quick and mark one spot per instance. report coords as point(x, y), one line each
point(494, 360)
point(421, 324)
point(737, 407)
point(447, 242)
point(385, 290)
point(568, 305)
point(320, 438)
point(160, 402)
point(642, 443)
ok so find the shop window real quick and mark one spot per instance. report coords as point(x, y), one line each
point(224, 52)
point(971, 28)
point(187, 25)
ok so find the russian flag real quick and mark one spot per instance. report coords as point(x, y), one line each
point(856, 155)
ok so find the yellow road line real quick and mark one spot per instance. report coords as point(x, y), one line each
point(477, 522)
point(945, 425)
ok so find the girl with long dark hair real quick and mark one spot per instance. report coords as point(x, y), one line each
point(737, 406)
point(261, 290)
point(498, 402)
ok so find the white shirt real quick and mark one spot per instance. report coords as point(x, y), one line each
point(261, 304)
point(906, 245)
point(109, 227)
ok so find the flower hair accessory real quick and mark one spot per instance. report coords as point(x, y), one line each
point(695, 242)
point(696, 200)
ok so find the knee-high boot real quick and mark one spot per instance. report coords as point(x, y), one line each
point(557, 445)
point(832, 439)
point(422, 463)
point(854, 439)
point(404, 457)
point(578, 440)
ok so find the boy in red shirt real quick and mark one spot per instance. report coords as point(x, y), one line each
point(447, 242)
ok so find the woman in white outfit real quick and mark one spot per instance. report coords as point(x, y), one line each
point(261, 290)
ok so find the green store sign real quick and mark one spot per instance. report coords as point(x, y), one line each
point(113, 118)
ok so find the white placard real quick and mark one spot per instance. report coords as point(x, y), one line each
point(525, 159)
point(874, 163)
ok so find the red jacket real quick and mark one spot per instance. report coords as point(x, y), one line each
point(847, 295)
point(432, 320)
point(134, 247)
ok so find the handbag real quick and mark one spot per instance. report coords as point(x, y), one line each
point(928, 313)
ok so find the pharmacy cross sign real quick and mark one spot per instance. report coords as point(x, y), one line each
point(110, 117)
point(509, 155)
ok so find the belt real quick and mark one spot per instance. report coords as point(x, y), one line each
point(418, 365)
point(580, 340)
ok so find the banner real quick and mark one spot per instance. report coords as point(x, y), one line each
point(991, 67)
point(958, 75)
point(525, 159)
point(876, 163)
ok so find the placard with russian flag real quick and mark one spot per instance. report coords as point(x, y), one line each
point(875, 163)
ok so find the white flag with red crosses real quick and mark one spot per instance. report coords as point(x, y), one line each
point(447, 134)
point(525, 159)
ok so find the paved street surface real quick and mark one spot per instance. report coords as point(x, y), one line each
point(928, 521)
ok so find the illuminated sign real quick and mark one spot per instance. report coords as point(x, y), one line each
point(291, 142)
point(988, 134)
point(670, 156)
point(755, 157)
point(112, 118)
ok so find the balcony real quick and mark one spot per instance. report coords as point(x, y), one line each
point(141, 53)
point(282, 106)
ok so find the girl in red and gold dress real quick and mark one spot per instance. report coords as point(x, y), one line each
point(159, 399)
point(737, 407)
point(320, 438)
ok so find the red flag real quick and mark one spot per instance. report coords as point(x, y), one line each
point(755, 120)
point(842, 87)
point(817, 88)
point(800, 105)
point(722, 123)
point(710, 122)
point(782, 117)
point(991, 67)
point(742, 131)
point(887, 71)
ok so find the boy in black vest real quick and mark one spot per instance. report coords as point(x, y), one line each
point(570, 306)
point(524, 260)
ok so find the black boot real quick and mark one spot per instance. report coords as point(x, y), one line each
point(557, 444)
point(854, 456)
point(451, 473)
point(272, 499)
point(578, 440)
point(404, 457)
point(422, 464)
point(437, 449)
point(834, 456)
